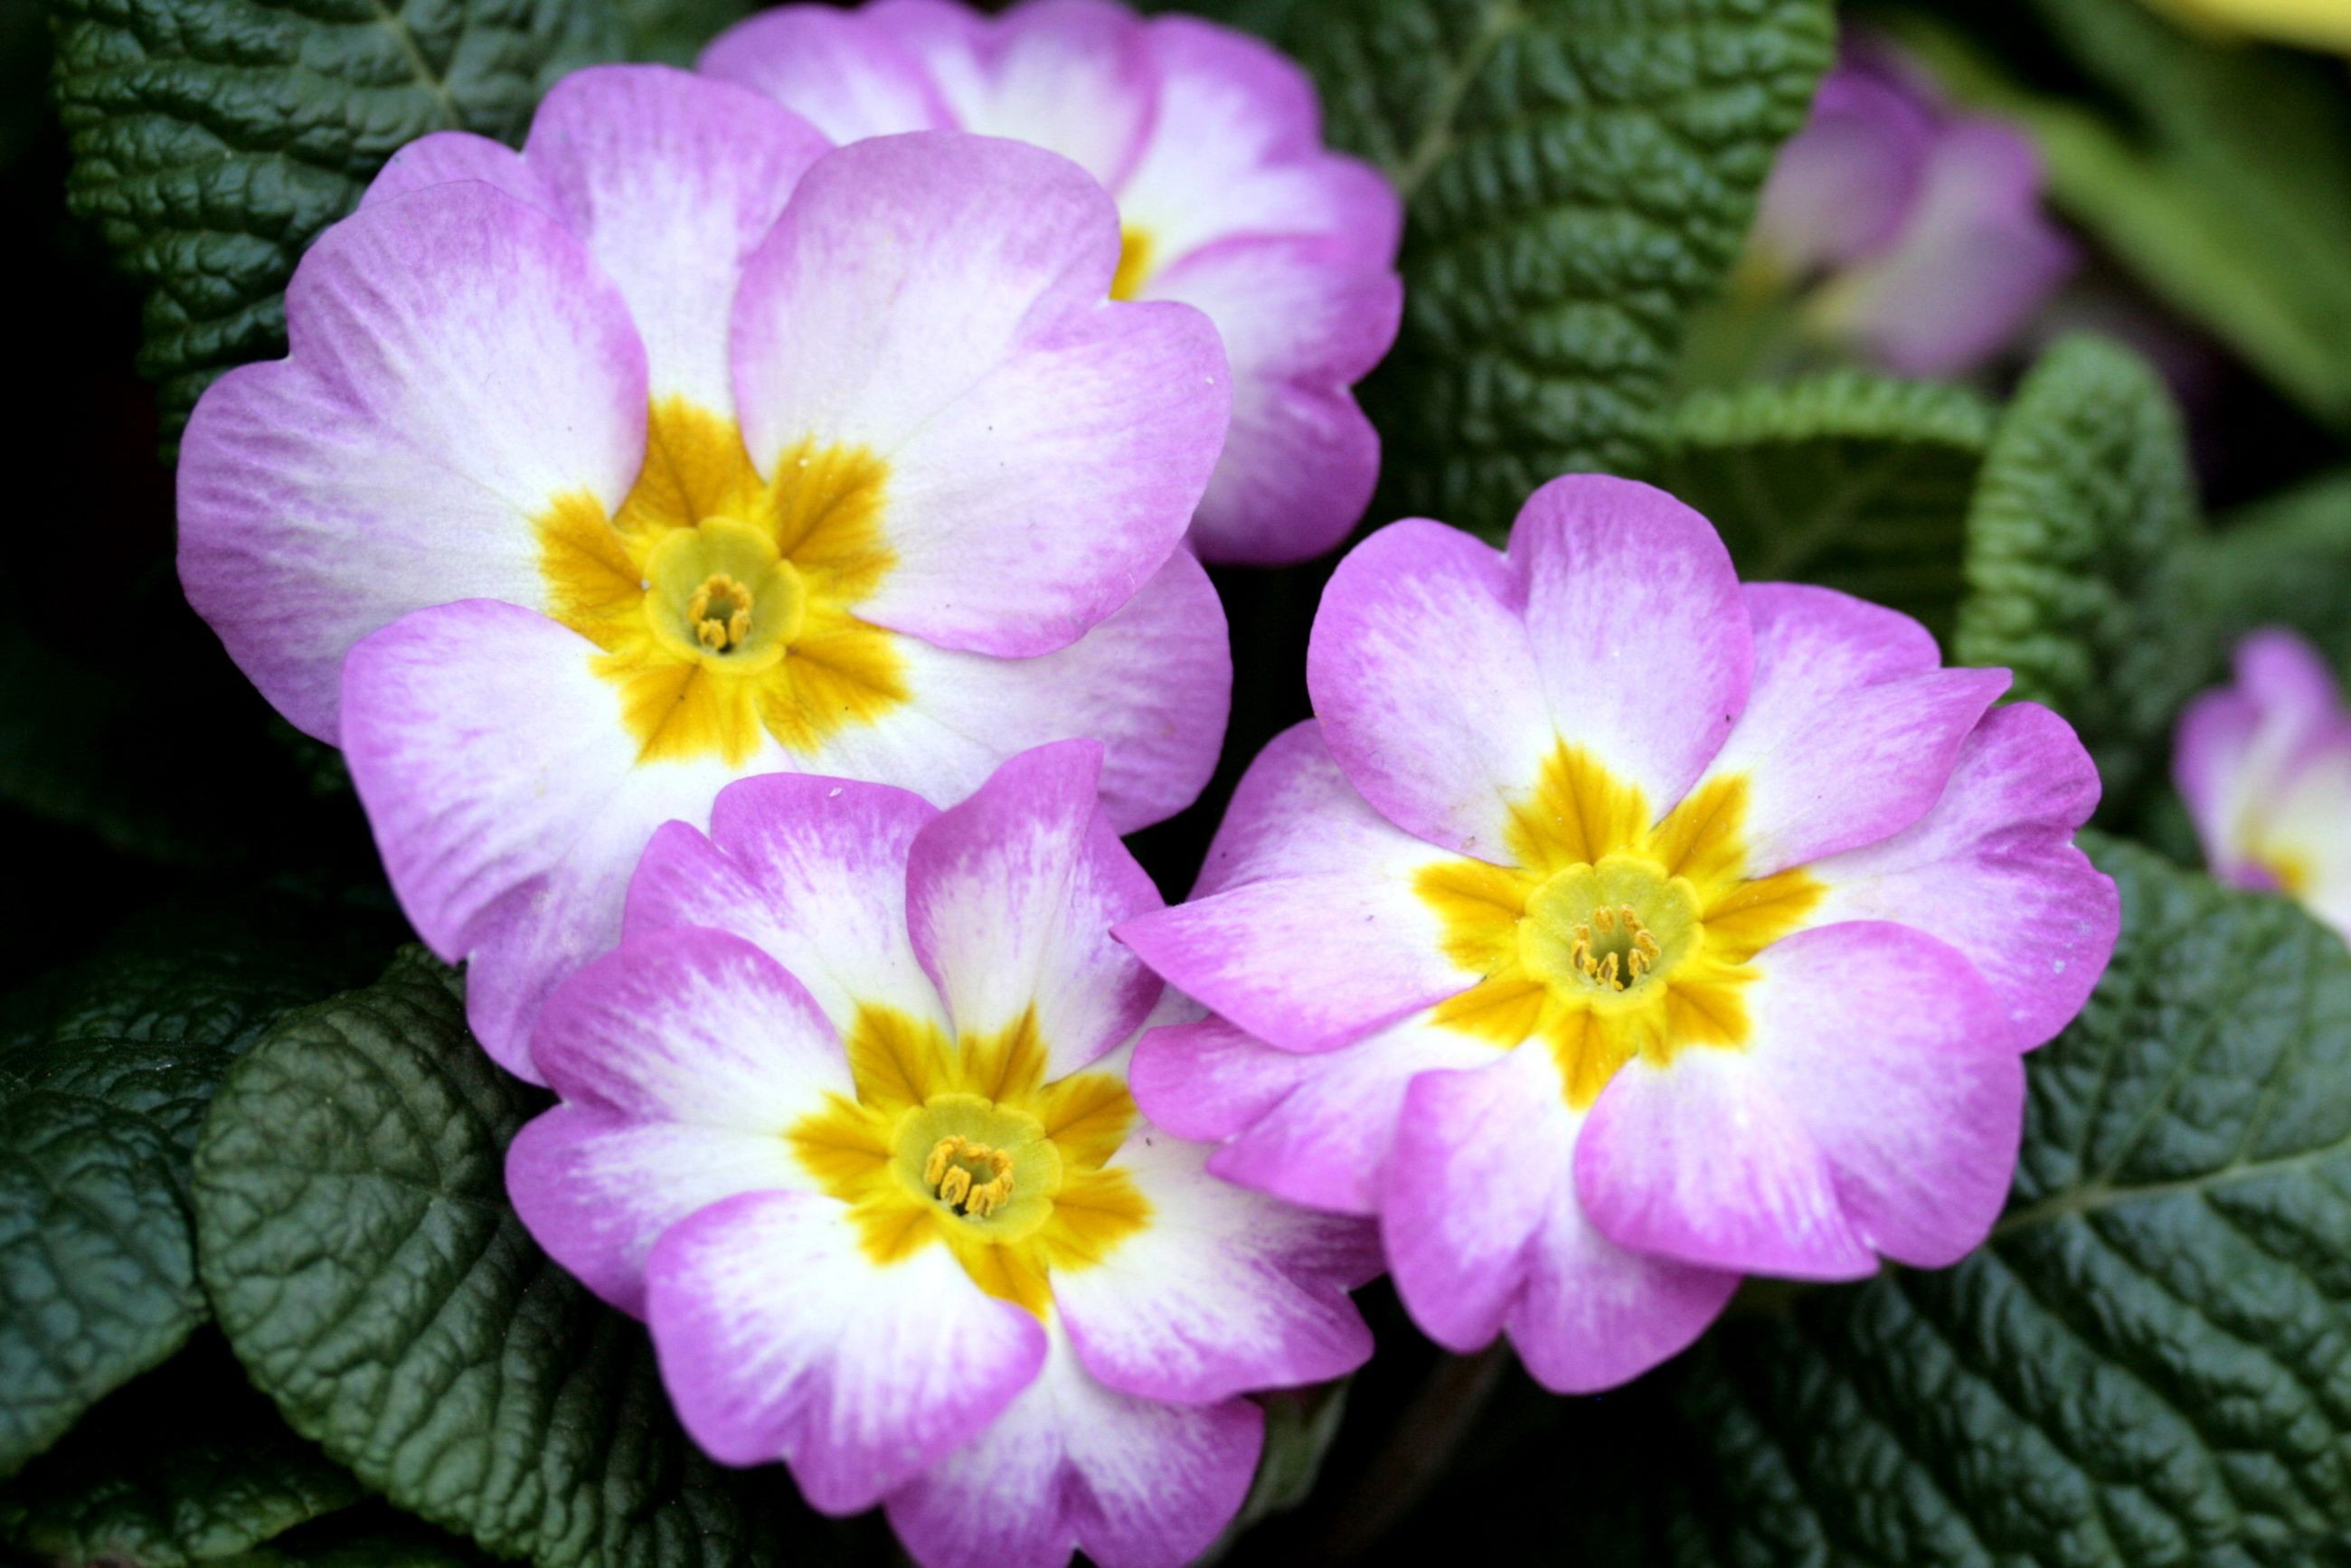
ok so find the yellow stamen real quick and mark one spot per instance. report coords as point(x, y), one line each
point(1626, 960)
point(720, 610)
point(951, 1170)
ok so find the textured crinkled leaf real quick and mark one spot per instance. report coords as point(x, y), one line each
point(97, 1276)
point(1845, 479)
point(2075, 546)
point(1578, 175)
point(359, 1252)
point(212, 139)
point(2150, 1363)
point(186, 1465)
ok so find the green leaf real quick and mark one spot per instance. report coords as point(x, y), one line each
point(2150, 1362)
point(97, 1279)
point(1578, 175)
point(2220, 176)
point(212, 139)
point(1845, 479)
point(2075, 543)
point(141, 1482)
point(358, 1249)
point(2285, 559)
point(674, 31)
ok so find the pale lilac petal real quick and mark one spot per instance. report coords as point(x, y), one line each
point(1302, 319)
point(506, 799)
point(1222, 1291)
point(1313, 1130)
point(447, 156)
point(692, 1026)
point(1638, 627)
point(1294, 814)
point(1992, 871)
point(1975, 259)
point(1421, 673)
point(1875, 1108)
point(671, 181)
point(810, 869)
point(1843, 184)
point(1011, 896)
point(941, 301)
point(779, 1338)
point(456, 363)
point(1074, 1466)
point(2212, 765)
point(1237, 150)
point(848, 77)
point(596, 1189)
point(1484, 1233)
point(1074, 76)
point(2288, 678)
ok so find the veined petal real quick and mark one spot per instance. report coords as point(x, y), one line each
point(987, 314)
point(1425, 684)
point(1313, 1129)
point(1074, 1466)
point(506, 799)
point(596, 1189)
point(1875, 1109)
point(456, 364)
point(848, 77)
point(1484, 1232)
point(695, 1026)
point(1237, 149)
point(1852, 730)
point(779, 1338)
point(447, 156)
point(1991, 869)
point(813, 870)
point(1302, 319)
point(1010, 897)
point(671, 181)
point(1638, 627)
point(1073, 76)
point(1221, 1292)
point(1153, 683)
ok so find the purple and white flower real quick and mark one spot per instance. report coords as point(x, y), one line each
point(1915, 235)
point(680, 446)
point(1211, 141)
point(1617, 930)
point(845, 1119)
point(2265, 766)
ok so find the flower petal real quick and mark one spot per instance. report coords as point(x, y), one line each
point(693, 1025)
point(446, 157)
point(1638, 626)
point(779, 1338)
point(1069, 75)
point(1074, 1466)
point(1221, 1293)
point(1850, 732)
point(1010, 897)
point(671, 180)
point(1843, 184)
point(847, 77)
point(506, 799)
point(1483, 1232)
point(1876, 1108)
point(597, 1189)
point(1422, 676)
point(1302, 319)
point(456, 363)
point(977, 356)
point(1991, 869)
point(813, 871)
point(1237, 149)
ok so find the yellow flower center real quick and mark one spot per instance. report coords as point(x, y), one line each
point(1613, 934)
point(1135, 249)
point(723, 603)
point(964, 1144)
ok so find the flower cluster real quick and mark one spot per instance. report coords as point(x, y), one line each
point(747, 545)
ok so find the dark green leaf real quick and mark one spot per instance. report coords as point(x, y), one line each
point(97, 1279)
point(2285, 559)
point(674, 31)
point(1843, 479)
point(2076, 544)
point(1579, 174)
point(358, 1249)
point(212, 139)
point(2150, 1363)
point(186, 1465)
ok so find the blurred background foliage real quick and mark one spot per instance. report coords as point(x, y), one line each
point(2147, 1365)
